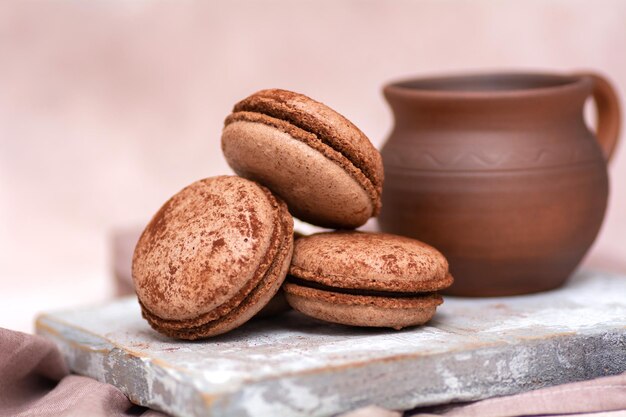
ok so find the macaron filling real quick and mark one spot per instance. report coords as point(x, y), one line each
point(356, 291)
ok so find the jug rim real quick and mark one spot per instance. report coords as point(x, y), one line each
point(488, 85)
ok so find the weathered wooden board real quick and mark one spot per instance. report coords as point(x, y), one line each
point(294, 366)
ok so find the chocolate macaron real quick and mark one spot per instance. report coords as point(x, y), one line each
point(366, 279)
point(317, 161)
point(212, 257)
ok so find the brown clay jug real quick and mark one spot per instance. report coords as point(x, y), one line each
point(500, 173)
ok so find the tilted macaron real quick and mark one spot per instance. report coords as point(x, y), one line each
point(318, 162)
point(212, 257)
point(366, 279)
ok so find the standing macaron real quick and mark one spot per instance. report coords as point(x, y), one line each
point(317, 161)
point(366, 279)
point(212, 257)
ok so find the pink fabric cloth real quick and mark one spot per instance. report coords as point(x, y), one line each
point(597, 397)
point(35, 381)
point(602, 394)
point(578, 398)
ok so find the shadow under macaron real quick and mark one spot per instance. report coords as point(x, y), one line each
point(291, 324)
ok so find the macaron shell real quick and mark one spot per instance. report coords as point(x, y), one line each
point(314, 142)
point(252, 304)
point(356, 310)
point(281, 244)
point(331, 127)
point(205, 245)
point(316, 189)
point(374, 261)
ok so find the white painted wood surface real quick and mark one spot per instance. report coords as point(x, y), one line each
point(291, 365)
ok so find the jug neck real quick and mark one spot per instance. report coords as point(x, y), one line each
point(488, 99)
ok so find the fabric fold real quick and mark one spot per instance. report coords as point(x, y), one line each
point(35, 381)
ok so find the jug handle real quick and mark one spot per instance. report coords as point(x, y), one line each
point(608, 111)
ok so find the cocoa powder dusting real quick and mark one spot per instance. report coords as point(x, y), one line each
point(202, 247)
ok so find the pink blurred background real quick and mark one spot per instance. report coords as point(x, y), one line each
point(109, 107)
